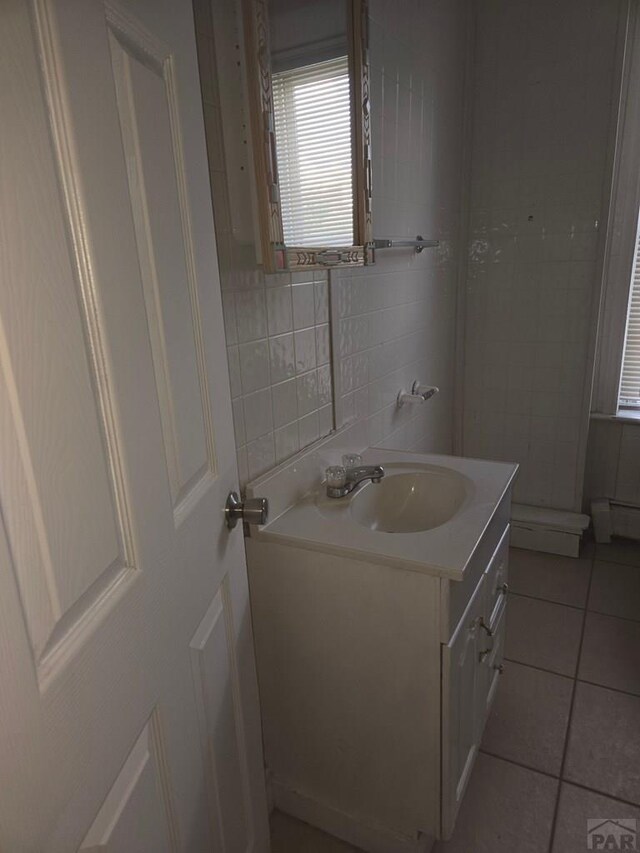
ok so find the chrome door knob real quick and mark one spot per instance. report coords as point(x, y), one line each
point(253, 510)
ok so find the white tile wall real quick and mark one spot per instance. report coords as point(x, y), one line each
point(280, 372)
point(276, 326)
point(541, 111)
point(613, 462)
point(395, 322)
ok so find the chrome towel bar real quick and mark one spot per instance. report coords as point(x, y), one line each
point(418, 244)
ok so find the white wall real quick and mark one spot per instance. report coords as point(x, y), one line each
point(395, 321)
point(543, 79)
point(302, 33)
point(613, 462)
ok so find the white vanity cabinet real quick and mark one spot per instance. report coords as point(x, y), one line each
point(375, 683)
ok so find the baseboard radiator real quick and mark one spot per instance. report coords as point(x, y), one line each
point(612, 518)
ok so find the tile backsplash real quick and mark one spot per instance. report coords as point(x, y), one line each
point(395, 323)
point(278, 345)
point(276, 326)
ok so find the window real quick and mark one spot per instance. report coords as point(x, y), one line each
point(629, 395)
point(616, 389)
point(312, 107)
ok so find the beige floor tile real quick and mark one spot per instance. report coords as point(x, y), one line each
point(611, 653)
point(528, 722)
point(604, 742)
point(620, 551)
point(564, 580)
point(543, 634)
point(289, 835)
point(577, 806)
point(506, 809)
point(615, 590)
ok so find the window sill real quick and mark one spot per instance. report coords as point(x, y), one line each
point(626, 417)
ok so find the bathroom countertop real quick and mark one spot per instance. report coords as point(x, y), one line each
point(317, 523)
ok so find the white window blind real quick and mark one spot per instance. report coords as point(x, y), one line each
point(629, 396)
point(312, 107)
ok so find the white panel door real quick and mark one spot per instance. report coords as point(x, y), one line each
point(129, 717)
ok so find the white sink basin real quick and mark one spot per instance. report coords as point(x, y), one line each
point(412, 501)
point(427, 514)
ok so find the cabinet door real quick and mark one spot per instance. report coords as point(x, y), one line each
point(462, 694)
point(490, 657)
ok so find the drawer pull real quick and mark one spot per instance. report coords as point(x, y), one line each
point(490, 634)
point(503, 588)
point(485, 627)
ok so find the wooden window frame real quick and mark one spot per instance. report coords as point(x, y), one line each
point(276, 256)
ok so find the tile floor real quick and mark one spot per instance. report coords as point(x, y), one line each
point(563, 740)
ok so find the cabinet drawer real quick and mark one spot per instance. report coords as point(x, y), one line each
point(496, 576)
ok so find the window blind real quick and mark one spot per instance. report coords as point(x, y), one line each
point(312, 107)
point(629, 396)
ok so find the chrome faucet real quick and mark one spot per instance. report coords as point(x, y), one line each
point(343, 480)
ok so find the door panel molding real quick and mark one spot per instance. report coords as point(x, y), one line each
point(132, 43)
point(218, 698)
point(67, 516)
point(68, 170)
point(142, 785)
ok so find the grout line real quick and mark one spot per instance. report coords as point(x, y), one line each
point(609, 796)
point(572, 678)
point(547, 600)
point(571, 709)
point(606, 687)
point(546, 773)
point(521, 764)
point(542, 669)
point(613, 616)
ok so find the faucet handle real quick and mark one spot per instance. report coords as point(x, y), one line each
point(351, 460)
point(424, 391)
point(336, 476)
point(378, 474)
